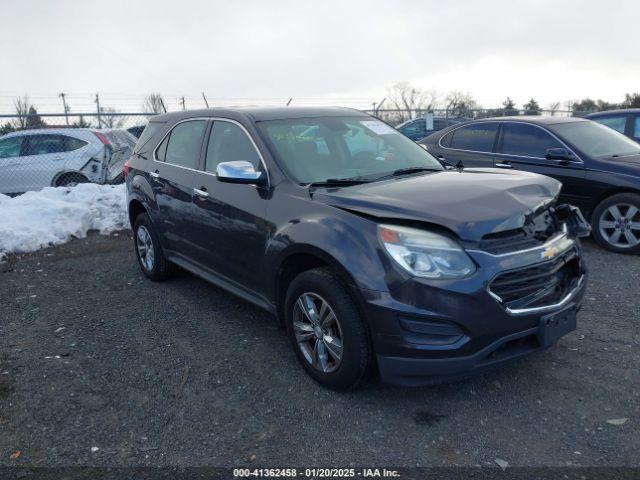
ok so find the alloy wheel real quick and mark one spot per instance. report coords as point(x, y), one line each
point(144, 245)
point(318, 332)
point(619, 225)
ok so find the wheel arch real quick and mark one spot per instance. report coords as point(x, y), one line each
point(136, 208)
point(66, 173)
point(302, 258)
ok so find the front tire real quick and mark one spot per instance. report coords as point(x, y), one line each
point(327, 331)
point(616, 223)
point(148, 250)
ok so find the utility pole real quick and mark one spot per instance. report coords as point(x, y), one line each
point(183, 104)
point(205, 99)
point(98, 104)
point(64, 105)
point(377, 108)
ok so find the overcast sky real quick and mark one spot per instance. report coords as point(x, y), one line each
point(234, 49)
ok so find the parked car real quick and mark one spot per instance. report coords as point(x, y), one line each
point(416, 129)
point(626, 122)
point(599, 168)
point(33, 159)
point(381, 257)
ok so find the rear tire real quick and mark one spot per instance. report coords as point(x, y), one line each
point(71, 180)
point(616, 223)
point(331, 327)
point(148, 250)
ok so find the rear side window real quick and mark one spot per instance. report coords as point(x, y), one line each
point(478, 137)
point(182, 145)
point(228, 143)
point(526, 140)
point(636, 128)
point(74, 144)
point(145, 136)
point(10, 147)
point(617, 123)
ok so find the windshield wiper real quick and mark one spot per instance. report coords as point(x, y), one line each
point(330, 182)
point(407, 171)
point(404, 171)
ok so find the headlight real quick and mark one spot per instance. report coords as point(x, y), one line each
point(425, 254)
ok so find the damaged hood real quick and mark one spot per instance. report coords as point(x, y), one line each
point(471, 203)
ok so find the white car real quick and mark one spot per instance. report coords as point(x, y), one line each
point(33, 159)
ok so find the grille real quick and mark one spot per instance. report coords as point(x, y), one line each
point(538, 285)
point(534, 233)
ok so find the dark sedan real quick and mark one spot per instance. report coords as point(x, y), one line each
point(599, 168)
point(623, 121)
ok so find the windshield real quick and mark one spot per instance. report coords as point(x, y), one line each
point(314, 150)
point(596, 140)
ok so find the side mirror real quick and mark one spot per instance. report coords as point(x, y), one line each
point(239, 171)
point(561, 154)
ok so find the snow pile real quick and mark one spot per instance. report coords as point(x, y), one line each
point(53, 216)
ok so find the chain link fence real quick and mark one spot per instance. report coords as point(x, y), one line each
point(55, 150)
point(396, 117)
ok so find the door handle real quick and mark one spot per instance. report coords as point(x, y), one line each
point(154, 174)
point(504, 165)
point(201, 192)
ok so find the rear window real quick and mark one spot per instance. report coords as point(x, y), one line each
point(46, 144)
point(527, 140)
point(184, 144)
point(478, 137)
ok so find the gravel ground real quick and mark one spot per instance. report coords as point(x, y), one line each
point(99, 366)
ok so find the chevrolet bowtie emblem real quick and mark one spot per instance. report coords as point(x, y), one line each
point(549, 253)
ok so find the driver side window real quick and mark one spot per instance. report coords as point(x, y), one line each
point(228, 143)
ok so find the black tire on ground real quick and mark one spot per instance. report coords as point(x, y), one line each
point(71, 180)
point(602, 212)
point(357, 355)
point(160, 268)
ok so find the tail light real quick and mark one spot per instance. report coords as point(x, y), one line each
point(125, 169)
point(103, 139)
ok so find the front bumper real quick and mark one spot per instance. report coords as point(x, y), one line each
point(427, 332)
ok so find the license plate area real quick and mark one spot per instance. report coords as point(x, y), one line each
point(556, 325)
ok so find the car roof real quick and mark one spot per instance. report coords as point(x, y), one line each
point(535, 119)
point(258, 114)
point(613, 112)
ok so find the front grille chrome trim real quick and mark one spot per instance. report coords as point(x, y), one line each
point(564, 233)
point(545, 308)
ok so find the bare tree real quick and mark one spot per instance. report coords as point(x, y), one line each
point(409, 100)
point(553, 108)
point(22, 106)
point(154, 104)
point(460, 104)
point(111, 121)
